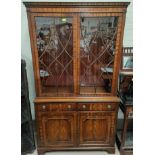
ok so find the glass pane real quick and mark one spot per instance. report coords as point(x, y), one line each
point(55, 50)
point(97, 50)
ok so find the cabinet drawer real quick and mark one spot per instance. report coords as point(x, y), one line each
point(63, 107)
point(97, 106)
point(57, 107)
point(43, 107)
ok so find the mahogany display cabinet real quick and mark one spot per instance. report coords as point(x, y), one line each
point(76, 49)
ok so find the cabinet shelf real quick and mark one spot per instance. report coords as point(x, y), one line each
point(92, 90)
point(57, 91)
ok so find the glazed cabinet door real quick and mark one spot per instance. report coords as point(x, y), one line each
point(57, 129)
point(54, 37)
point(96, 128)
point(99, 53)
point(76, 54)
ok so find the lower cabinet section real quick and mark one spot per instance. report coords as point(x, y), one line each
point(71, 128)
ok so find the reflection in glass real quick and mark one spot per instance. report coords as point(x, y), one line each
point(55, 49)
point(97, 50)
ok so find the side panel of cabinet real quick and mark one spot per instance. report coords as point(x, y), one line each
point(96, 128)
point(57, 129)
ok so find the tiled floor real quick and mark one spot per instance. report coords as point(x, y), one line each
point(77, 153)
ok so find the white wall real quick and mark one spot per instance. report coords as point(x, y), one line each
point(26, 49)
point(26, 54)
point(128, 32)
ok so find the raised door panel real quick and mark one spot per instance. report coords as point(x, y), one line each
point(96, 128)
point(58, 129)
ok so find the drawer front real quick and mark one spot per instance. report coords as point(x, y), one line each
point(97, 106)
point(56, 107)
point(43, 107)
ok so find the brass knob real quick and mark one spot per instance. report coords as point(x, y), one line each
point(109, 106)
point(84, 106)
point(69, 107)
point(43, 107)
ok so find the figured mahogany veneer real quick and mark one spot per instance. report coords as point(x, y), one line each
point(50, 107)
point(76, 50)
point(79, 125)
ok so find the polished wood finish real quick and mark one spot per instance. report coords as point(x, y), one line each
point(58, 129)
point(75, 11)
point(79, 4)
point(88, 99)
point(78, 118)
point(95, 128)
point(78, 125)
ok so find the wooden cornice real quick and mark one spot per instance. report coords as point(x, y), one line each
point(76, 4)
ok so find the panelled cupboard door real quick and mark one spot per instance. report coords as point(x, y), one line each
point(58, 129)
point(96, 128)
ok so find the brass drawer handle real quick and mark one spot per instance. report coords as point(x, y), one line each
point(43, 107)
point(109, 106)
point(69, 107)
point(84, 106)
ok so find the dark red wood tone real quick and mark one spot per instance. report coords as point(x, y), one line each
point(75, 109)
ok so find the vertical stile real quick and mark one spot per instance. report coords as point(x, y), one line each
point(120, 32)
point(75, 33)
point(78, 53)
point(35, 52)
